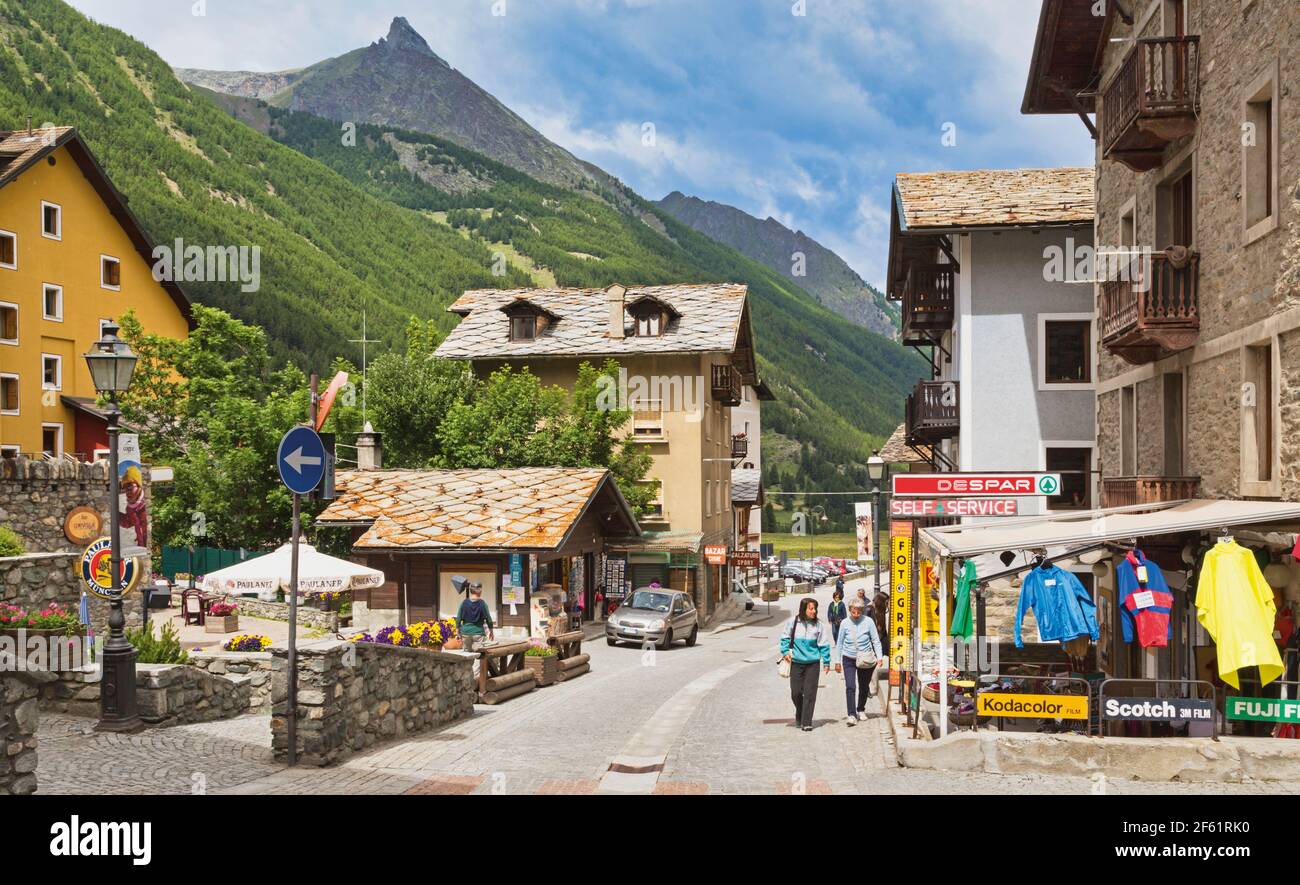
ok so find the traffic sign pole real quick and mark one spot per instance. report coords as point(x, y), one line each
point(291, 718)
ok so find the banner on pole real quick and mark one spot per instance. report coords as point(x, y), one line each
point(863, 525)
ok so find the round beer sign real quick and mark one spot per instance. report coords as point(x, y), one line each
point(96, 569)
point(82, 525)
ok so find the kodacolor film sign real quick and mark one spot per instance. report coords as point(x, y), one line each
point(1033, 706)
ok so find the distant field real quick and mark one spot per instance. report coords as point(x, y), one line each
point(842, 546)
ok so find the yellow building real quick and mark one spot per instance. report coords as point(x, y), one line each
point(72, 256)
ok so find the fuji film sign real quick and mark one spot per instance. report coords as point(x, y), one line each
point(960, 485)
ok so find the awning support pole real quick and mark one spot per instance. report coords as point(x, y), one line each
point(944, 581)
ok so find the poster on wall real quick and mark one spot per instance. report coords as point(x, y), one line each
point(862, 523)
point(615, 581)
point(133, 517)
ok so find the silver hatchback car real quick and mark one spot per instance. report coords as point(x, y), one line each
point(655, 615)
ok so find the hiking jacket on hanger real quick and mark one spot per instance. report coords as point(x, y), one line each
point(1144, 604)
point(961, 616)
point(1235, 606)
point(1062, 606)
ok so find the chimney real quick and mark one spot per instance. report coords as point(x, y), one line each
point(370, 449)
point(614, 294)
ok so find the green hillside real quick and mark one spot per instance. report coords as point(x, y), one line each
point(341, 227)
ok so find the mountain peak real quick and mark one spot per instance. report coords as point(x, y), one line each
point(402, 36)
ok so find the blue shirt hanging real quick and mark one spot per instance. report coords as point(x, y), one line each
point(1062, 607)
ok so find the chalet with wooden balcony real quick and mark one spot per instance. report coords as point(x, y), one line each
point(978, 262)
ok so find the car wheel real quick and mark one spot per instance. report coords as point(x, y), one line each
point(668, 639)
point(611, 642)
point(695, 631)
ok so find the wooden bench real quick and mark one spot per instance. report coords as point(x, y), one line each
point(502, 674)
point(568, 648)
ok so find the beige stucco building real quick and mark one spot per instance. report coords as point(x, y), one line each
point(686, 354)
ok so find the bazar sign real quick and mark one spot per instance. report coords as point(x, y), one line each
point(1158, 709)
point(1033, 706)
point(1262, 709)
point(914, 507)
point(715, 554)
point(943, 485)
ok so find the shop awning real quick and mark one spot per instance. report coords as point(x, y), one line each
point(1114, 524)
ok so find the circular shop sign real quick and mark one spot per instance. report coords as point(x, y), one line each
point(96, 564)
point(83, 525)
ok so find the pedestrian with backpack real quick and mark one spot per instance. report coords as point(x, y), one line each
point(804, 647)
point(857, 654)
point(836, 614)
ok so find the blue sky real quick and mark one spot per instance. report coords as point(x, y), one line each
point(802, 117)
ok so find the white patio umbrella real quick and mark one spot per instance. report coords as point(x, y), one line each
point(316, 572)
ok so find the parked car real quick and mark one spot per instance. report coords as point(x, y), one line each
point(653, 614)
point(833, 565)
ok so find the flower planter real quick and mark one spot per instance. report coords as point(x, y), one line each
point(546, 669)
point(225, 624)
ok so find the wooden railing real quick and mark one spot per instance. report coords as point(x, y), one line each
point(726, 384)
point(932, 411)
point(1160, 77)
point(1154, 311)
point(929, 297)
point(1127, 491)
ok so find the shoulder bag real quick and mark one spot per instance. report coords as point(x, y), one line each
point(783, 665)
point(865, 660)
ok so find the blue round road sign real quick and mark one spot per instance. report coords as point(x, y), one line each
point(301, 460)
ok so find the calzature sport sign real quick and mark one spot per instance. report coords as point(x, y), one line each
point(977, 485)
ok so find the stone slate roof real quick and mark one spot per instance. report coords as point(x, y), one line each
point(18, 150)
point(995, 197)
point(710, 321)
point(521, 508)
point(746, 486)
point(896, 451)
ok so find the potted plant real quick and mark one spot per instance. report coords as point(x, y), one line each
point(544, 661)
point(247, 642)
point(223, 617)
point(53, 620)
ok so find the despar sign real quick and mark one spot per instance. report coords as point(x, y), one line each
point(943, 485)
point(1033, 706)
point(1158, 709)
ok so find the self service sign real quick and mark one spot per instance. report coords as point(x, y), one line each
point(978, 485)
point(925, 507)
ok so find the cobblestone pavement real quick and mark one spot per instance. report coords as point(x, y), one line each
point(711, 719)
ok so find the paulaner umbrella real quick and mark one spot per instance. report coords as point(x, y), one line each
point(317, 572)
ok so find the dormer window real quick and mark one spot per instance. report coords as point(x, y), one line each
point(528, 320)
point(649, 324)
point(523, 328)
point(650, 316)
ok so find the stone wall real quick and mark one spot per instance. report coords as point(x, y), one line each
point(178, 694)
point(37, 579)
point(19, 713)
point(73, 692)
point(354, 695)
point(36, 496)
point(254, 667)
point(308, 616)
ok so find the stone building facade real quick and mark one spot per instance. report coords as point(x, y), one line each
point(1217, 172)
point(38, 579)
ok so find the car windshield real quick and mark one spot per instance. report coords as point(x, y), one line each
point(649, 599)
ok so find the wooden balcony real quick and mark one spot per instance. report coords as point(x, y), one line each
point(932, 412)
point(726, 385)
point(739, 446)
point(1155, 312)
point(1151, 101)
point(1126, 491)
point(928, 299)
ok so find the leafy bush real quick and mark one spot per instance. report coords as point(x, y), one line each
point(540, 651)
point(162, 649)
point(10, 543)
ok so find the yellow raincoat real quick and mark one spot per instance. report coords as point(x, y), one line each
point(1235, 606)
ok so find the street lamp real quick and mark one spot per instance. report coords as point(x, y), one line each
point(876, 469)
point(112, 363)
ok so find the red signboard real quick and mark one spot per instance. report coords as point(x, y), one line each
point(745, 558)
point(924, 507)
point(962, 485)
point(715, 554)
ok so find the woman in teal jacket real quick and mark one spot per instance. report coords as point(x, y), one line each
point(804, 643)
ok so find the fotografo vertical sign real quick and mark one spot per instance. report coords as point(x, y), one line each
point(900, 601)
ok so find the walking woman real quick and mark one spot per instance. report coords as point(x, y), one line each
point(804, 645)
point(836, 613)
point(857, 655)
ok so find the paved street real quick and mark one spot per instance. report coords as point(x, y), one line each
point(711, 719)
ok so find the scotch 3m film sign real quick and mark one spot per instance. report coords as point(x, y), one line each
point(981, 485)
point(900, 599)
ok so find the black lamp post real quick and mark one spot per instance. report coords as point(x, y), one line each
point(112, 364)
point(876, 469)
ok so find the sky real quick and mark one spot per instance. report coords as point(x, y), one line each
point(802, 110)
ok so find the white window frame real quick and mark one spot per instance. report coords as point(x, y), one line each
point(58, 361)
point(13, 342)
point(52, 425)
point(56, 318)
point(1269, 79)
point(1089, 444)
point(102, 283)
point(102, 323)
point(9, 233)
point(660, 433)
point(17, 378)
point(58, 234)
point(1250, 484)
point(1043, 320)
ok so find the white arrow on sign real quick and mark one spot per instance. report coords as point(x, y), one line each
point(297, 460)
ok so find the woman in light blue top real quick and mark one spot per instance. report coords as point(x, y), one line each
point(805, 644)
point(859, 640)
